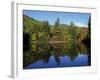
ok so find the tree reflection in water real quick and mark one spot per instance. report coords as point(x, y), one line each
point(52, 54)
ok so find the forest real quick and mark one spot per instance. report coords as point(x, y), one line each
point(35, 31)
point(46, 42)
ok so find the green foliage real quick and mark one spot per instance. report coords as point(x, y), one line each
point(46, 26)
point(57, 23)
point(72, 30)
point(29, 23)
point(41, 40)
point(42, 31)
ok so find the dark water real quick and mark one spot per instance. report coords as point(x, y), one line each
point(51, 55)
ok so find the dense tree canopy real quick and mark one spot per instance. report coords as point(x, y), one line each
point(41, 31)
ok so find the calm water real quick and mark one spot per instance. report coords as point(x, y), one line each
point(51, 55)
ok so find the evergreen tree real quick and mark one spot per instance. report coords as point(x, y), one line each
point(57, 23)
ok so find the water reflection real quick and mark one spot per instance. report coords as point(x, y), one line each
point(50, 55)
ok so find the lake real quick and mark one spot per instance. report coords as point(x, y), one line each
point(53, 55)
